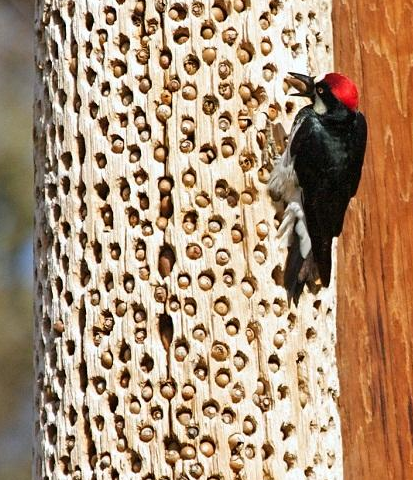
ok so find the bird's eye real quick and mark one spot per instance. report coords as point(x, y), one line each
point(320, 90)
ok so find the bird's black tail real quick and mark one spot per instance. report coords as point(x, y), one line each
point(298, 272)
point(292, 270)
point(322, 256)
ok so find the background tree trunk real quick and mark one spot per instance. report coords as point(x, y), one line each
point(165, 347)
point(375, 313)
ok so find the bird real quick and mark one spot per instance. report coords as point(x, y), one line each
point(317, 175)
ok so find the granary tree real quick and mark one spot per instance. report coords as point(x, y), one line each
point(165, 344)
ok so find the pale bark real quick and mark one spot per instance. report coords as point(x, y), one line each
point(165, 347)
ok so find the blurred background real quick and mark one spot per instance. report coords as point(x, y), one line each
point(16, 219)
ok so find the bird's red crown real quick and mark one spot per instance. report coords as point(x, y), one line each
point(343, 89)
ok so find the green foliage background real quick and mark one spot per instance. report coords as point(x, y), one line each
point(16, 204)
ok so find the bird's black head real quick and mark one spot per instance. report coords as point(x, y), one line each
point(328, 93)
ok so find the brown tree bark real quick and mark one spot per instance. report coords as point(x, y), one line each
point(375, 301)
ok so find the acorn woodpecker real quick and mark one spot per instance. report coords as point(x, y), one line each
point(317, 175)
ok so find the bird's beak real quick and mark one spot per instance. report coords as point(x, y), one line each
point(303, 83)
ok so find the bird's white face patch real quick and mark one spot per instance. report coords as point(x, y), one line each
point(319, 105)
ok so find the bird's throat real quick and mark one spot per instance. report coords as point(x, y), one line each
point(319, 106)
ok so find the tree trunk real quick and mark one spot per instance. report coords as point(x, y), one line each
point(375, 315)
point(165, 347)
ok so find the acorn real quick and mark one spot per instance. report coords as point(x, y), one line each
point(190, 309)
point(173, 85)
point(210, 410)
point(134, 157)
point(171, 456)
point(163, 112)
point(247, 198)
point(207, 448)
point(201, 373)
point(142, 55)
point(111, 16)
point(244, 121)
point(165, 185)
point(264, 22)
point(214, 226)
point(107, 359)
point(222, 379)
point(168, 390)
point(222, 257)
point(194, 252)
point(147, 392)
point(236, 235)
point(267, 74)
point(181, 36)
point(184, 281)
point(239, 5)
point(188, 452)
point(181, 353)
point(221, 307)
point(162, 223)
point(272, 112)
point(227, 150)
point(160, 153)
point(189, 92)
point(239, 362)
point(205, 282)
point(207, 32)
point(259, 256)
point(245, 93)
point(187, 126)
point(164, 60)
point(262, 230)
point(199, 334)
point(266, 47)
point(166, 262)
point(197, 8)
point(279, 339)
point(174, 14)
point(166, 97)
point(202, 201)
point(236, 441)
point(189, 227)
point(188, 392)
point(207, 241)
point(146, 434)
point(224, 69)
point(95, 298)
point(184, 418)
point(250, 334)
point(263, 175)
point(243, 56)
point(209, 55)
point(121, 308)
point(219, 14)
point(219, 352)
point(145, 85)
point(229, 36)
point(231, 328)
point(186, 145)
point(118, 145)
point(188, 179)
point(224, 124)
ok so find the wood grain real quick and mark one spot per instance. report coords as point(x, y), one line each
point(375, 287)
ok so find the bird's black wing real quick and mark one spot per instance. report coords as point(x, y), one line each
point(328, 165)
